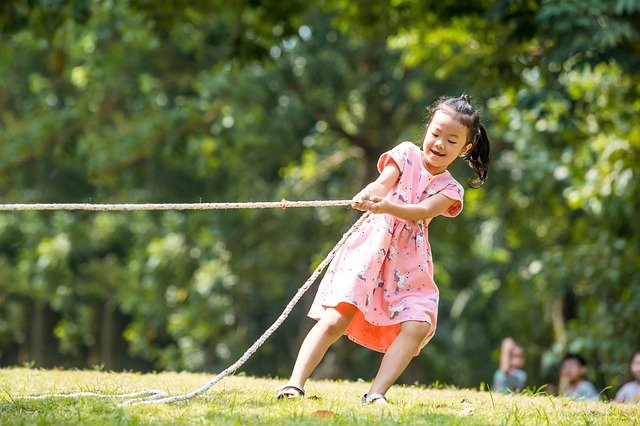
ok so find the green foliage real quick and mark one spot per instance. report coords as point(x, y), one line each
point(605, 27)
point(587, 229)
point(134, 101)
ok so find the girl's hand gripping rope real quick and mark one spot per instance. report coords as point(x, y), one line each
point(378, 204)
point(362, 200)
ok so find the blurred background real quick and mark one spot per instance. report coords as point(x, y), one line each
point(127, 101)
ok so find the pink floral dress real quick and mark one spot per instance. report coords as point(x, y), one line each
point(385, 269)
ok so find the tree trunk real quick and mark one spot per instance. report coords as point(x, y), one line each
point(24, 343)
point(38, 337)
point(107, 334)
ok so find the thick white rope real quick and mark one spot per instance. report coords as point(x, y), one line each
point(147, 394)
point(175, 206)
point(160, 397)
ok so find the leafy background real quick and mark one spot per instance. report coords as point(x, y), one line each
point(136, 101)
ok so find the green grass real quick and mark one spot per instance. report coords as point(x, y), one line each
point(242, 400)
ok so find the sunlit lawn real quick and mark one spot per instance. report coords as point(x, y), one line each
point(248, 400)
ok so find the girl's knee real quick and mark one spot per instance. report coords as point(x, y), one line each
point(418, 330)
point(336, 320)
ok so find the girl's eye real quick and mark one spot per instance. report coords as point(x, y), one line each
point(453, 142)
point(434, 134)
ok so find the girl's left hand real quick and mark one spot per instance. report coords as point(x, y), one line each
point(379, 204)
point(362, 200)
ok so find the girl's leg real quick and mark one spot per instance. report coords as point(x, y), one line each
point(323, 334)
point(399, 354)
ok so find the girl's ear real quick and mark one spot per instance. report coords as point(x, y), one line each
point(465, 150)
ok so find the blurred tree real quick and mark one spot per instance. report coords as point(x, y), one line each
point(135, 101)
point(540, 48)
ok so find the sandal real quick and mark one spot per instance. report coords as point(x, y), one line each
point(289, 392)
point(374, 398)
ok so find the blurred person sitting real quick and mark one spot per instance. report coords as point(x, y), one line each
point(510, 377)
point(630, 392)
point(572, 379)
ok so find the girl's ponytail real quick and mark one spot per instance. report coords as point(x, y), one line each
point(479, 156)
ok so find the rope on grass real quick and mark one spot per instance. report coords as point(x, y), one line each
point(265, 335)
point(142, 395)
point(175, 206)
point(153, 396)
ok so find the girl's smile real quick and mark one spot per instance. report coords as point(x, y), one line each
point(444, 141)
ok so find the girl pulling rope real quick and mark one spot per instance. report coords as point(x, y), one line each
point(379, 289)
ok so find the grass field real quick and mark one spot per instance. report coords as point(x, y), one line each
point(242, 400)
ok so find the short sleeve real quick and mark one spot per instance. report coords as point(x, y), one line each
point(514, 380)
point(399, 154)
point(586, 390)
point(499, 381)
point(621, 395)
point(454, 191)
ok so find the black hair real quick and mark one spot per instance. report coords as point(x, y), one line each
point(479, 156)
point(581, 360)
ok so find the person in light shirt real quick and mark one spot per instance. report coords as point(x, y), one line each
point(630, 392)
point(572, 379)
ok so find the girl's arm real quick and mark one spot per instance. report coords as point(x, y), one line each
point(371, 198)
point(431, 207)
point(378, 188)
point(505, 354)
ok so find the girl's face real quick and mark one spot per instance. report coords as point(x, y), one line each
point(445, 140)
point(517, 357)
point(635, 367)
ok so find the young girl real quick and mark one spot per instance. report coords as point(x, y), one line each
point(510, 377)
point(379, 289)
